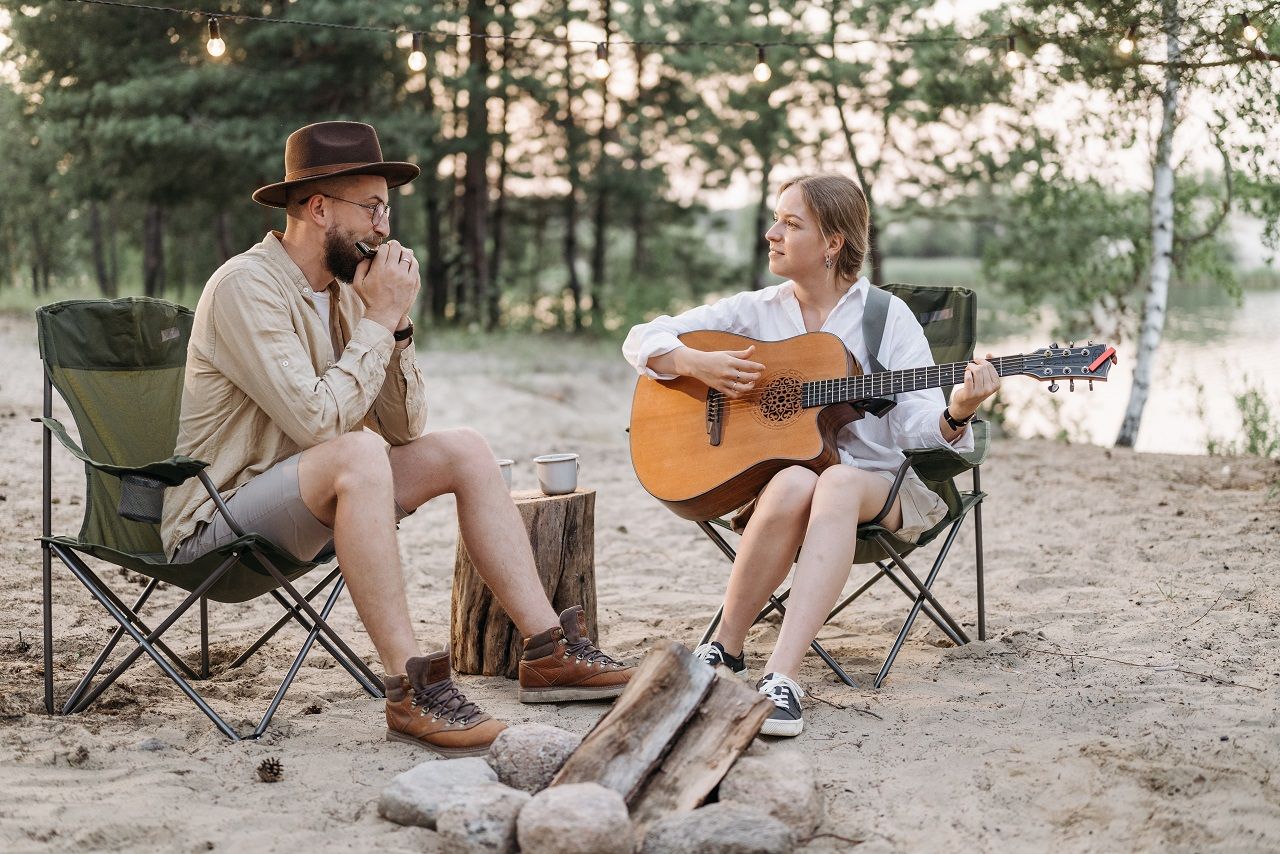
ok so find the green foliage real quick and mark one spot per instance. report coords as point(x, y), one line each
point(1259, 426)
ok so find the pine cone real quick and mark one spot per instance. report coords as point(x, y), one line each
point(270, 770)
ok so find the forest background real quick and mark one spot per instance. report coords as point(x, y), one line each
point(1016, 147)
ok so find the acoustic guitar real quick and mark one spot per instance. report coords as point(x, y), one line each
point(704, 454)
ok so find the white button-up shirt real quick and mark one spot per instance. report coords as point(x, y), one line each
point(773, 314)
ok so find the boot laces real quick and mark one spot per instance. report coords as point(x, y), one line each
point(584, 650)
point(444, 700)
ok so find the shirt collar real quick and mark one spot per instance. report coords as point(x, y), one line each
point(276, 251)
point(788, 290)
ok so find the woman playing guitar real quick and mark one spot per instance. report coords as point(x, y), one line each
point(818, 240)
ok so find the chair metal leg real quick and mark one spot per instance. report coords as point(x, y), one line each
point(370, 683)
point(297, 663)
point(204, 637)
point(928, 612)
point(290, 610)
point(712, 626)
point(844, 677)
point(87, 679)
point(315, 617)
point(146, 643)
point(88, 579)
point(924, 594)
point(977, 541)
point(176, 659)
point(46, 556)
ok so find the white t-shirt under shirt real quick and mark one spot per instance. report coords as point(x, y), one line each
point(773, 314)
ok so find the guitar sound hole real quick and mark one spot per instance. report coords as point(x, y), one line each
point(781, 400)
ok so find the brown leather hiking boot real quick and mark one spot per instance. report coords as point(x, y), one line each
point(562, 664)
point(426, 708)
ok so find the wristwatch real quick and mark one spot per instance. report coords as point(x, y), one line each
point(956, 424)
point(403, 334)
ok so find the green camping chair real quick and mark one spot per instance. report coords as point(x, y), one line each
point(949, 318)
point(119, 366)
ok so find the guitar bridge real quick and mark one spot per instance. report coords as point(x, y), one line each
point(715, 410)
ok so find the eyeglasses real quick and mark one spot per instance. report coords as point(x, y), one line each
point(377, 212)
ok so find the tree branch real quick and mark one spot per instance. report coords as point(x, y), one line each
point(1213, 227)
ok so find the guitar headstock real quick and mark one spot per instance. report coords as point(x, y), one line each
point(1090, 362)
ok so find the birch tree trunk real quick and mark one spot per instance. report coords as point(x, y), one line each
point(1156, 302)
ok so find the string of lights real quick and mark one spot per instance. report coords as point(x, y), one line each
point(601, 69)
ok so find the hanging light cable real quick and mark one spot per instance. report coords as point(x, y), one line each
point(417, 59)
point(215, 45)
point(1012, 59)
point(1250, 32)
point(762, 71)
point(600, 70)
point(1130, 40)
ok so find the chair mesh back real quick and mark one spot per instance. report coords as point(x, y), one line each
point(119, 366)
point(949, 317)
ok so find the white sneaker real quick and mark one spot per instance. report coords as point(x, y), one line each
point(786, 719)
point(714, 654)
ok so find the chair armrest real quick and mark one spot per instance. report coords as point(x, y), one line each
point(170, 472)
point(939, 464)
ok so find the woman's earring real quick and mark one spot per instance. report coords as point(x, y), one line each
point(826, 259)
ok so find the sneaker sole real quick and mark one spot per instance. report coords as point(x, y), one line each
point(785, 729)
point(568, 695)
point(447, 752)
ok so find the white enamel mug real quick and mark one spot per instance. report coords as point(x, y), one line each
point(557, 473)
point(505, 467)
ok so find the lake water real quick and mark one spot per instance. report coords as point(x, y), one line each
point(1213, 349)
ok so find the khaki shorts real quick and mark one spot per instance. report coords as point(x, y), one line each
point(270, 505)
point(922, 508)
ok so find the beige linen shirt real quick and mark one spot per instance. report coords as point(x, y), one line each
point(263, 381)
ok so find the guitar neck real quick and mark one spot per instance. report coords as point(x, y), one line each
point(888, 383)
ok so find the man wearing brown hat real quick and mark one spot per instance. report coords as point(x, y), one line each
point(303, 392)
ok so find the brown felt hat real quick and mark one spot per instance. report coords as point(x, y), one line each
point(328, 149)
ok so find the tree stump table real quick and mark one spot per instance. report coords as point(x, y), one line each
point(483, 640)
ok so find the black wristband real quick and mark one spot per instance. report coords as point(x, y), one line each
point(952, 422)
point(403, 334)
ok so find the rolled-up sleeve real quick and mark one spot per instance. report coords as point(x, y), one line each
point(254, 344)
point(661, 335)
point(400, 411)
point(915, 420)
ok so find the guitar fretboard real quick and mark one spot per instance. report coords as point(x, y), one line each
point(889, 383)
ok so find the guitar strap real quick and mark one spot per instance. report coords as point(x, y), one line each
point(874, 315)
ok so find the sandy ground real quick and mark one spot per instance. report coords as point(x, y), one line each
point(1126, 698)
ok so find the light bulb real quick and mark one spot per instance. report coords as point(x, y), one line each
point(1128, 43)
point(762, 71)
point(1012, 59)
point(417, 59)
point(1250, 32)
point(600, 70)
point(216, 46)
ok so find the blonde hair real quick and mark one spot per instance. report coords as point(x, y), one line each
point(840, 207)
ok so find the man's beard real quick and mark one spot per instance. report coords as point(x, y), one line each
point(341, 255)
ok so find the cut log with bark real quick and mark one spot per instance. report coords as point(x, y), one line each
point(670, 737)
point(561, 528)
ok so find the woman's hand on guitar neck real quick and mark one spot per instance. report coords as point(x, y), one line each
point(729, 371)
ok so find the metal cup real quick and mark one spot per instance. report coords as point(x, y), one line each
point(505, 467)
point(557, 473)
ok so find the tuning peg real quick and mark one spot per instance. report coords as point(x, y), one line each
point(1090, 342)
point(1053, 386)
point(1054, 345)
point(1071, 385)
point(1090, 385)
point(1071, 344)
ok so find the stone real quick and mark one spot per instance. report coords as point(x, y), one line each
point(781, 784)
point(527, 756)
point(416, 796)
point(482, 822)
point(722, 828)
point(576, 818)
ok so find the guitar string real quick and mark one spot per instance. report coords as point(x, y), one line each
point(750, 399)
